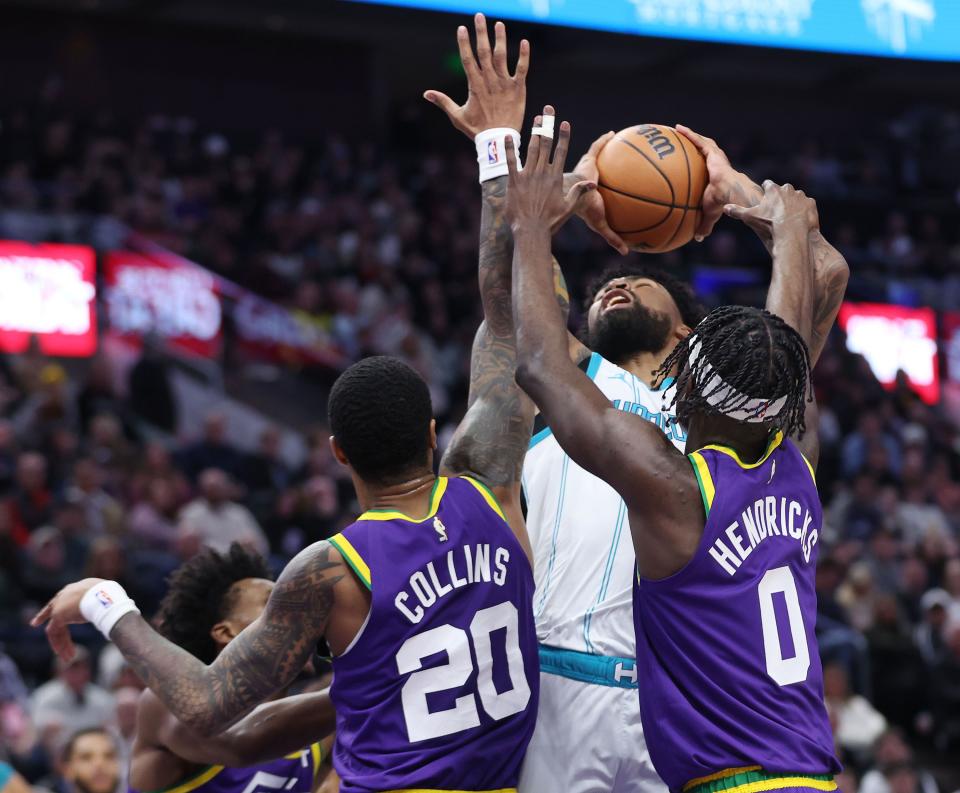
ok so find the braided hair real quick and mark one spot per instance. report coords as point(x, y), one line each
point(752, 350)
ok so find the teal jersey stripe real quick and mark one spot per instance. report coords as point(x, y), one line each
point(595, 360)
point(545, 433)
point(607, 573)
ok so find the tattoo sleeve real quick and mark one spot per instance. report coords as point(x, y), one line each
point(492, 438)
point(267, 656)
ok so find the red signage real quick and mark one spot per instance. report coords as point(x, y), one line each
point(269, 331)
point(48, 291)
point(166, 295)
point(893, 339)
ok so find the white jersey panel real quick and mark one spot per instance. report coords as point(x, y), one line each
point(583, 552)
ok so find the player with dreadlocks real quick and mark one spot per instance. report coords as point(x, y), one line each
point(726, 536)
point(211, 599)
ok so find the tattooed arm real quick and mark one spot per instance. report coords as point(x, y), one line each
point(264, 658)
point(830, 270)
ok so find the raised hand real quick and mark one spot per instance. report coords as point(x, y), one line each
point(64, 610)
point(590, 206)
point(536, 197)
point(495, 98)
point(783, 209)
point(723, 185)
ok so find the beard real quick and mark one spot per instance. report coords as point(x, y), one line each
point(619, 335)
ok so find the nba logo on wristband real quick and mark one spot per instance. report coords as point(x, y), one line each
point(493, 156)
point(103, 598)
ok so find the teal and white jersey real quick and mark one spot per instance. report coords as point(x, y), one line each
point(583, 552)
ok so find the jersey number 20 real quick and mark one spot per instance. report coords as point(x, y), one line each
point(421, 723)
point(784, 671)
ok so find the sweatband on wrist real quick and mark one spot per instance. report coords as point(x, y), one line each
point(104, 604)
point(492, 152)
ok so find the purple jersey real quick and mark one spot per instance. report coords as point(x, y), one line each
point(439, 689)
point(295, 773)
point(730, 674)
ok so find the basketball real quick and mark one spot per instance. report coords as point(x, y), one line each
point(652, 181)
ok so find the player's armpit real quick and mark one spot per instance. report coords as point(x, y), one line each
point(264, 658)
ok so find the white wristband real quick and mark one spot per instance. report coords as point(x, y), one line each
point(104, 604)
point(492, 152)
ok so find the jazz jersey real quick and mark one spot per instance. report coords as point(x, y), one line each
point(295, 773)
point(439, 689)
point(578, 527)
point(726, 650)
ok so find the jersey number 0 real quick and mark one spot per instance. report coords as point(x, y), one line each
point(421, 723)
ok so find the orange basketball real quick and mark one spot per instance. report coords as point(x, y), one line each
point(652, 181)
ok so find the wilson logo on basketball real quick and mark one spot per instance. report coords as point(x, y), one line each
point(655, 138)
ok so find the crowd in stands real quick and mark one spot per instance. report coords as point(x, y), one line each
point(384, 251)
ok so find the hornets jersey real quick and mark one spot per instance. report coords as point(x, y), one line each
point(583, 551)
point(439, 689)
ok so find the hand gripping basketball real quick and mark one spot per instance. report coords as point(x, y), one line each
point(536, 198)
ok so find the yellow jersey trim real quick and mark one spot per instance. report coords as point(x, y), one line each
point(774, 443)
point(784, 782)
point(701, 780)
point(194, 782)
point(352, 558)
point(439, 488)
point(704, 479)
point(487, 494)
point(316, 751)
point(809, 465)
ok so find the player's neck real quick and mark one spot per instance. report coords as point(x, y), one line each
point(642, 365)
point(410, 496)
point(749, 441)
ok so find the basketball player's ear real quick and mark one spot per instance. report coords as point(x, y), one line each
point(433, 434)
point(222, 634)
point(682, 331)
point(338, 454)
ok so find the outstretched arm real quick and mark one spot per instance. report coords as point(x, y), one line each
point(630, 454)
point(492, 439)
point(830, 270)
point(788, 221)
point(264, 658)
point(270, 731)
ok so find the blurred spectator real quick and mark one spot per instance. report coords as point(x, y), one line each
point(929, 634)
point(895, 664)
point(945, 693)
point(217, 520)
point(151, 393)
point(858, 722)
point(264, 471)
point(90, 763)
point(891, 754)
point(71, 702)
point(858, 596)
point(128, 700)
point(212, 451)
point(32, 502)
point(102, 513)
point(153, 522)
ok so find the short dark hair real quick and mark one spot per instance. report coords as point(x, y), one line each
point(199, 597)
point(752, 350)
point(380, 413)
point(690, 308)
point(67, 752)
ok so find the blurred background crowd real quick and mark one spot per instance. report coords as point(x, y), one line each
point(107, 471)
